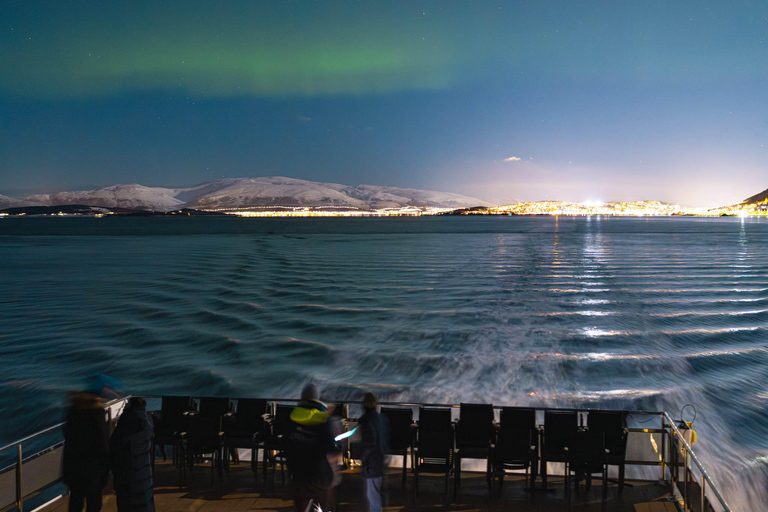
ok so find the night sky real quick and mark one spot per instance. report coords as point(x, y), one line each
point(573, 100)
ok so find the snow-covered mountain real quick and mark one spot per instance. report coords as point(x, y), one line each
point(245, 192)
point(116, 196)
point(271, 191)
point(9, 202)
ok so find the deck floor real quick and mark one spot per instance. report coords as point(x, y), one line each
point(239, 491)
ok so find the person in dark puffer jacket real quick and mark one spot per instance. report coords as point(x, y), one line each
point(131, 454)
point(307, 450)
point(85, 462)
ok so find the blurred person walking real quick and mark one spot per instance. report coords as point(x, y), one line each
point(85, 462)
point(308, 448)
point(131, 456)
point(373, 445)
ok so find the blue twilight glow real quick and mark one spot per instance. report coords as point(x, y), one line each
point(501, 100)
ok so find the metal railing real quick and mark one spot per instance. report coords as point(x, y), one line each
point(13, 488)
point(705, 481)
point(28, 475)
point(664, 447)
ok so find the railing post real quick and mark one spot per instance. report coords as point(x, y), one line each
point(703, 502)
point(19, 497)
point(663, 449)
point(685, 483)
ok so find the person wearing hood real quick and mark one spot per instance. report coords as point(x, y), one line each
point(373, 447)
point(307, 451)
point(85, 461)
point(131, 455)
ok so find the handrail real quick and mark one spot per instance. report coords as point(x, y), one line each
point(53, 427)
point(452, 406)
point(20, 460)
point(695, 459)
point(32, 436)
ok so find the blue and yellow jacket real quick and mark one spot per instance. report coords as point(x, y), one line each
point(309, 445)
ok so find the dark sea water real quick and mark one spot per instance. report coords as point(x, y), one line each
point(648, 313)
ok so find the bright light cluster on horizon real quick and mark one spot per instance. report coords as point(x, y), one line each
point(624, 208)
point(331, 211)
point(632, 208)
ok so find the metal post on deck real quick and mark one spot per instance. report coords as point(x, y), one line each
point(663, 450)
point(685, 484)
point(703, 503)
point(19, 497)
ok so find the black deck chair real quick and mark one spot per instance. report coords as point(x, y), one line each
point(401, 433)
point(612, 424)
point(245, 429)
point(475, 433)
point(434, 444)
point(279, 427)
point(589, 456)
point(517, 444)
point(169, 422)
point(558, 438)
point(214, 407)
point(201, 440)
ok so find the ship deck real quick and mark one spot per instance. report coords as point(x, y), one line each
point(238, 491)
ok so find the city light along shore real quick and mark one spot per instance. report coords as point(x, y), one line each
point(531, 208)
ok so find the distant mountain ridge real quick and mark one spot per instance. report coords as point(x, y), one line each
point(9, 202)
point(250, 192)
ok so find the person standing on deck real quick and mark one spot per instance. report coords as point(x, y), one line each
point(131, 453)
point(373, 442)
point(85, 462)
point(307, 451)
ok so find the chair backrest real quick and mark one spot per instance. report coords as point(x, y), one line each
point(515, 445)
point(249, 416)
point(588, 454)
point(475, 428)
point(434, 420)
point(611, 424)
point(516, 436)
point(172, 411)
point(214, 407)
point(559, 430)
point(202, 431)
point(282, 424)
point(517, 418)
point(435, 436)
point(399, 423)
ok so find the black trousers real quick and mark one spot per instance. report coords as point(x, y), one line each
point(80, 497)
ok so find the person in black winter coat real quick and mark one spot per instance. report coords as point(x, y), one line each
point(372, 446)
point(131, 453)
point(308, 449)
point(85, 462)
